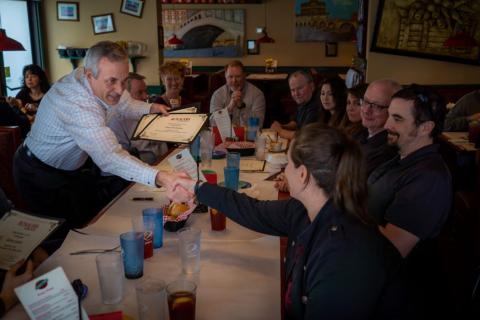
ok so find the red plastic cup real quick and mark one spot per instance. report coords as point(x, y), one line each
point(210, 175)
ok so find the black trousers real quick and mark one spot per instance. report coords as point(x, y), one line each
point(76, 196)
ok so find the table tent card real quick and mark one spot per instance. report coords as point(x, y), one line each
point(50, 296)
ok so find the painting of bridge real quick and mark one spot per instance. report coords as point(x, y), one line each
point(203, 33)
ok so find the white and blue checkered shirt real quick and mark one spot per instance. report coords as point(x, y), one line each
point(70, 125)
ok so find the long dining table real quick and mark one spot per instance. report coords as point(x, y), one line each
point(240, 269)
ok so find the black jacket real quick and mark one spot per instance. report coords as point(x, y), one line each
point(345, 270)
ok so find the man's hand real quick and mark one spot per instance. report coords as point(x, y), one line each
point(235, 100)
point(159, 108)
point(12, 281)
point(276, 126)
point(175, 191)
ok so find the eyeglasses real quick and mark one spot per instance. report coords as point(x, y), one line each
point(375, 106)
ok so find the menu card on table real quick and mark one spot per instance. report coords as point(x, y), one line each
point(50, 296)
point(21, 233)
point(175, 127)
point(224, 123)
point(184, 162)
point(252, 165)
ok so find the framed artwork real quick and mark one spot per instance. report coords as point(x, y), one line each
point(132, 7)
point(331, 49)
point(331, 20)
point(103, 23)
point(428, 30)
point(253, 47)
point(191, 33)
point(67, 11)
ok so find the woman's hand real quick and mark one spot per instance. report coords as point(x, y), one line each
point(281, 183)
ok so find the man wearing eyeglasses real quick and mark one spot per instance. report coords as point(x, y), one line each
point(374, 113)
point(410, 195)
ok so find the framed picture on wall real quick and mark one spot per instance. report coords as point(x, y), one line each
point(132, 7)
point(417, 30)
point(67, 11)
point(253, 47)
point(103, 23)
point(331, 49)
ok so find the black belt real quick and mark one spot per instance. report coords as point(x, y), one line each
point(39, 162)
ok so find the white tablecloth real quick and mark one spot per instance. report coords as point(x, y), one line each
point(240, 269)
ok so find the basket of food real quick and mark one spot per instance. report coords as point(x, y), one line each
point(245, 148)
point(176, 215)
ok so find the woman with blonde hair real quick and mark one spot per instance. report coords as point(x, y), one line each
point(172, 74)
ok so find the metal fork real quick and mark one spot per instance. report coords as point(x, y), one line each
point(94, 251)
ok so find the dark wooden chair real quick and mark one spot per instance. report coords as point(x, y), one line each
point(10, 139)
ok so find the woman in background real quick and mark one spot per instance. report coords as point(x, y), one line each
point(172, 74)
point(338, 265)
point(333, 97)
point(352, 122)
point(35, 85)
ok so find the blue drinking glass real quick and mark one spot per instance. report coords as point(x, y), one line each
point(155, 214)
point(232, 176)
point(252, 128)
point(132, 253)
point(195, 148)
point(233, 160)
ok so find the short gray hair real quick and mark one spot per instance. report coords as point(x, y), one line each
point(132, 76)
point(103, 49)
point(302, 73)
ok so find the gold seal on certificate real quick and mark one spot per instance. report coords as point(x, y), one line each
point(176, 127)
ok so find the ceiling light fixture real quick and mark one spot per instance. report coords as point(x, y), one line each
point(265, 38)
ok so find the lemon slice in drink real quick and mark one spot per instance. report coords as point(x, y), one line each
point(180, 301)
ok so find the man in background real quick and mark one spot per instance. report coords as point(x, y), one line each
point(466, 110)
point(123, 128)
point(374, 113)
point(241, 98)
point(302, 89)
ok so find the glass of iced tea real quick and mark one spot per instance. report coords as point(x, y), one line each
point(217, 220)
point(181, 300)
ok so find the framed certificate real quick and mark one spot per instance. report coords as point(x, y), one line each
point(176, 127)
point(189, 108)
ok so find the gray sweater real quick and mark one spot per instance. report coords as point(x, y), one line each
point(456, 119)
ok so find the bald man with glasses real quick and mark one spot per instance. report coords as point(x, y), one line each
point(374, 113)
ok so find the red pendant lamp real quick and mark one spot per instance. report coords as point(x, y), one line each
point(174, 41)
point(8, 44)
point(265, 38)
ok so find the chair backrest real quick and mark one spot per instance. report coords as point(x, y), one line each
point(10, 139)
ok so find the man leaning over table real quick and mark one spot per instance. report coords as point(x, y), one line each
point(70, 127)
point(241, 98)
point(410, 195)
